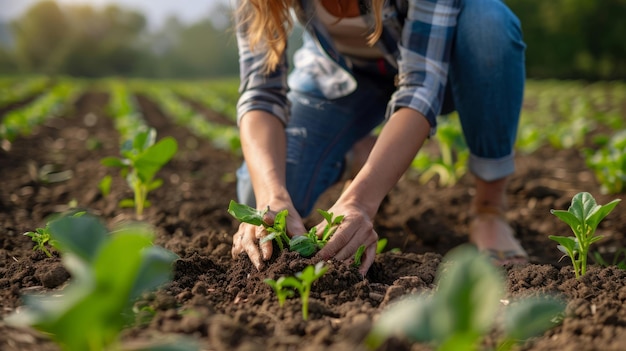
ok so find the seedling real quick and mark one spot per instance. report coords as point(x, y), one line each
point(619, 259)
point(141, 159)
point(462, 311)
point(583, 217)
point(358, 256)
point(302, 282)
point(96, 305)
point(281, 288)
point(609, 163)
point(310, 243)
point(41, 237)
point(306, 244)
point(450, 164)
point(276, 231)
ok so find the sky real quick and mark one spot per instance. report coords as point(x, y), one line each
point(156, 11)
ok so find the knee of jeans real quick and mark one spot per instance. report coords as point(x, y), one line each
point(245, 193)
point(489, 28)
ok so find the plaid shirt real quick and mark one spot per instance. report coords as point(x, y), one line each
point(417, 40)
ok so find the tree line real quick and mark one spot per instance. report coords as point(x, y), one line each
point(573, 39)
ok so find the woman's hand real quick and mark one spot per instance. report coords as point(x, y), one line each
point(247, 238)
point(355, 230)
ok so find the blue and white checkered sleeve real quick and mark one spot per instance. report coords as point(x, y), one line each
point(259, 90)
point(425, 56)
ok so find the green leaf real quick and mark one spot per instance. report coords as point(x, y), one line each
point(126, 203)
point(568, 242)
point(312, 273)
point(303, 244)
point(601, 212)
point(568, 217)
point(380, 245)
point(469, 291)
point(532, 317)
point(105, 185)
point(410, 316)
point(113, 162)
point(358, 255)
point(152, 159)
point(82, 235)
point(155, 184)
point(245, 213)
point(155, 270)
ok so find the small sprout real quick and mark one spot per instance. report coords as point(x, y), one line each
point(142, 157)
point(310, 243)
point(619, 259)
point(96, 305)
point(41, 237)
point(306, 245)
point(302, 282)
point(358, 255)
point(276, 231)
point(282, 288)
point(583, 217)
point(380, 245)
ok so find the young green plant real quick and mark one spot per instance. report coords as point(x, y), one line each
point(583, 217)
point(41, 237)
point(463, 308)
point(276, 231)
point(310, 243)
point(109, 271)
point(142, 157)
point(306, 245)
point(450, 164)
point(301, 282)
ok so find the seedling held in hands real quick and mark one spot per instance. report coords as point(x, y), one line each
point(142, 157)
point(276, 231)
point(302, 282)
point(310, 243)
point(306, 244)
point(583, 217)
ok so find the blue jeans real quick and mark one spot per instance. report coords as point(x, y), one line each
point(485, 86)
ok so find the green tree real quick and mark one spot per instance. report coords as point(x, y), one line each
point(77, 39)
point(40, 36)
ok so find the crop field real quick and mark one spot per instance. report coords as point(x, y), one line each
point(115, 231)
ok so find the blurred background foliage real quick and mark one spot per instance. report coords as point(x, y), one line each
point(566, 39)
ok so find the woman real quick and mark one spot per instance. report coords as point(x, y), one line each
point(362, 63)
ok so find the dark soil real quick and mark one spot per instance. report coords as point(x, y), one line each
point(232, 308)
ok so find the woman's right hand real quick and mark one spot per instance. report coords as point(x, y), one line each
point(248, 237)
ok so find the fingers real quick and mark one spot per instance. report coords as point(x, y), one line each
point(247, 240)
point(266, 247)
point(344, 244)
point(368, 259)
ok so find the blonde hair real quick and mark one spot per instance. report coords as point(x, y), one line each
point(270, 22)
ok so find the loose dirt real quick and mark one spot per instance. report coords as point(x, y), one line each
point(224, 303)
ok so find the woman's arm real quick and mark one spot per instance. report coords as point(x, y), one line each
point(263, 143)
point(398, 143)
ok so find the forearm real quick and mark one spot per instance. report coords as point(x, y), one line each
point(263, 143)
point(398, 143)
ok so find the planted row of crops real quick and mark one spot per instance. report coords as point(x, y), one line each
point(445, 325)
point(588, 117)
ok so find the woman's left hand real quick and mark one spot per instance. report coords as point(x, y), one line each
point(356, 229)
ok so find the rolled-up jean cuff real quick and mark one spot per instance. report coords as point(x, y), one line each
point(490, 169)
